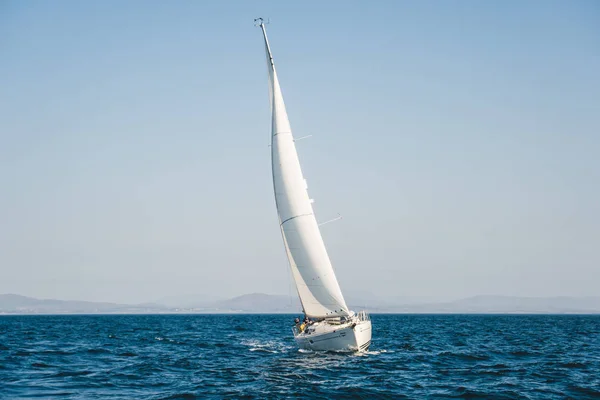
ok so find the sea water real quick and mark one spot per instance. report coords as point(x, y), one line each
point(254, 356)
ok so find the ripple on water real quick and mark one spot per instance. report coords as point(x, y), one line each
point(41, 365)
point(127, 354)
point(64, 374)
point(194, 356)
point(98, 351)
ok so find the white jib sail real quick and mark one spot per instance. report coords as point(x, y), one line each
point(315, 279)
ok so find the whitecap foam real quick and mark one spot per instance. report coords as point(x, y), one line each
point(270, 346)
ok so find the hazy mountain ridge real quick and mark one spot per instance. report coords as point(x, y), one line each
point(489, 304)
point(265, 303)
point(17, 304)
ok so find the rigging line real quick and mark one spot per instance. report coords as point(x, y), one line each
point(303, 137)
point(331, 220)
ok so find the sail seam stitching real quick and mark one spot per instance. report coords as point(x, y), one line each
point(290, 218)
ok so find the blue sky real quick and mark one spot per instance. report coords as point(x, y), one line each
point(459, 140)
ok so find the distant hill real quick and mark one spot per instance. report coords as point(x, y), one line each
point(265, 303)
point(260, 302)
point(16, 304)
point(529, 304)
point(188, 301)
point(505, 305)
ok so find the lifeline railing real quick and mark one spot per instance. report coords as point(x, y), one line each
point(363, 316)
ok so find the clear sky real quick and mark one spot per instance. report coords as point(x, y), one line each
point(460, 140)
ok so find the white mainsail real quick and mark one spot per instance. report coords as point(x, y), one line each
point(315, 279)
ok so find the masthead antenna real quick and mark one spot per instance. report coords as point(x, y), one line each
point(259, 22)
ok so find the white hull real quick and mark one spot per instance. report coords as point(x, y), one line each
point(322, 336)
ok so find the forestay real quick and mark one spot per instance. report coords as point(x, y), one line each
point(315, 279)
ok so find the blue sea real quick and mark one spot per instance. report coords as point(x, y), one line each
point(254, 356)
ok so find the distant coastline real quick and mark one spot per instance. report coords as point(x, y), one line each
point(259, 303)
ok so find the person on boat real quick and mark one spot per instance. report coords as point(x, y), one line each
point(299, 326)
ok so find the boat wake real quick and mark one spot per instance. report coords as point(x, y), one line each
point(374, 352)
point(270, 346)
point(350, 353)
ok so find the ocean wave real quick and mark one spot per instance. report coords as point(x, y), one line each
point(192, 356)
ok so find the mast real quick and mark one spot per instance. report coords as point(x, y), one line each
point(261, 24)
point(317, 286)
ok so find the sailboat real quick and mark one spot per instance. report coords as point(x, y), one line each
point(331, 325)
